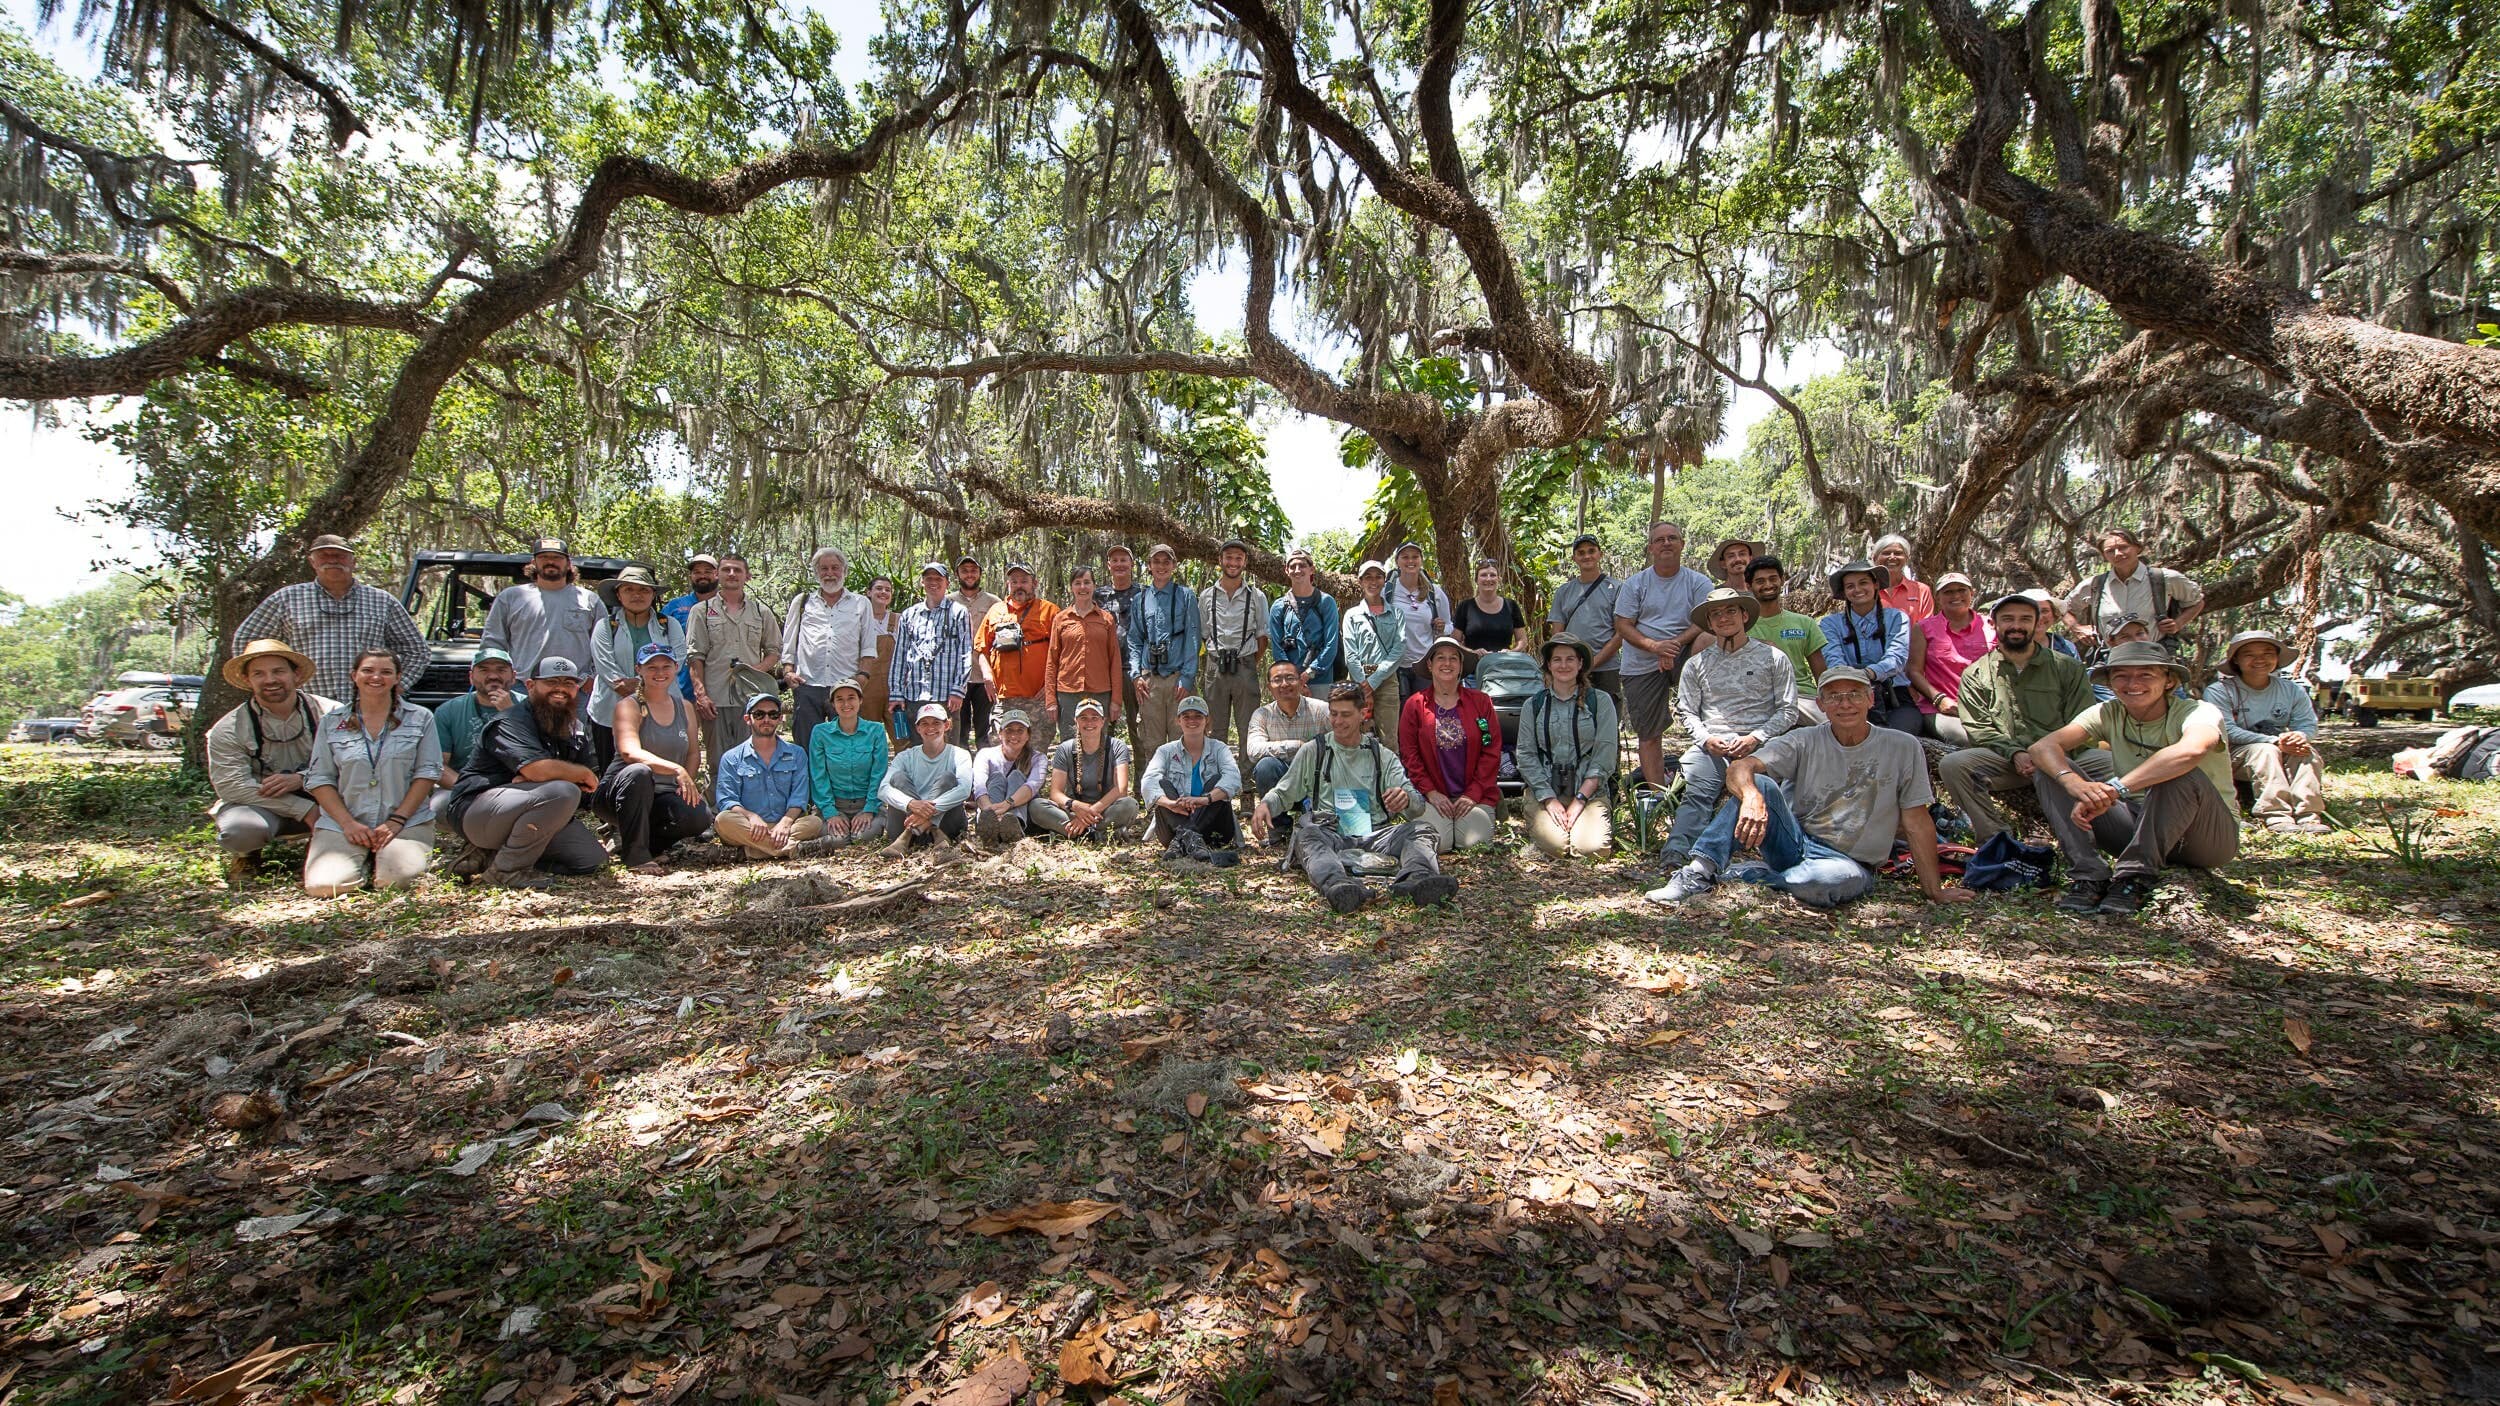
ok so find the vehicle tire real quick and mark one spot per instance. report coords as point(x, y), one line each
point(2365, 717)
point(2426, 715)
point(160, 742)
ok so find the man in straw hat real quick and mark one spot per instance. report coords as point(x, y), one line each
point(1736, 694)
point(2271, 728)
point(257, 754)
point(2171, 802)
point(333, 618)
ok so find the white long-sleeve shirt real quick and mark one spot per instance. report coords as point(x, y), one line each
point(944, 781)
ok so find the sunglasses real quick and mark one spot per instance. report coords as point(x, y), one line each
point(773, 716)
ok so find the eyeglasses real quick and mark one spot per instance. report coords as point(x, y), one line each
point(774, 716)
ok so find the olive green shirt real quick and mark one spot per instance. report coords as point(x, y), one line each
point(2131, 742)
point(2007, 709)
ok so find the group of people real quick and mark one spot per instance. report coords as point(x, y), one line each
point(1209, 719)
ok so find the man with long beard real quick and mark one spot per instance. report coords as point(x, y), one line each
point(518, 805)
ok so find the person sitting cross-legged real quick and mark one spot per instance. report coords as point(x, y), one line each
point(1089, 776)
point(1822, 806)
point(1354, 799)
point(846, 761)
point(519, 801)
point(1278, 729)
point(2171, 802)
point(1188, 790)
point(648, 792)
point(1737, 694)
point(761, 793)
point(1569, 750)
point(926, 787)
point(2271, 728)
point(1450, 742)
point(2012, 696)
point(1006, 776)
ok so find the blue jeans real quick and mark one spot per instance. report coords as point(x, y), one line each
point(1266, 772)
point(1705, 781)
point(1801, 866)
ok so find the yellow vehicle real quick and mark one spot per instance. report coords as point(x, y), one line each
point(2372, 699)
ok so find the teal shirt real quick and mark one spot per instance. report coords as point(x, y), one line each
point(846, 766)
point(458, 724)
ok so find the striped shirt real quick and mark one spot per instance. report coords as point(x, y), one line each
point(932, 654)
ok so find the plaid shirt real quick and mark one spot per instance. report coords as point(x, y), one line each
point(332, 632)
point(1272, 734)
point(932, 654)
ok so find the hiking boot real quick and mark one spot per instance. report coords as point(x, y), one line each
point(2127, 896)
point(816, 848)
point(2082, 896)
point(1686, 884)
point(1346, 895)
point(1671, 860)
point(943, 851)
point(519, 879)
point(1432, 890)
point(900, 848)
point(471, 863)
point(1189, 844)
point(242, 869)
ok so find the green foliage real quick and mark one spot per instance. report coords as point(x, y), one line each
point(54, 657)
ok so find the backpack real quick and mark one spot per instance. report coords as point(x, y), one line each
point(2164, 605)
point(2462, 752)
point(1319, 770)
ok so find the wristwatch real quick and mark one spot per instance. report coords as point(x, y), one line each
point(2121, 788)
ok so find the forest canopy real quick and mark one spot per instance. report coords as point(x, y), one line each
point(652, 275)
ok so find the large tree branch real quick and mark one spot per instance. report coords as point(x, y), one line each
point(203, 336)
point(41, 265)
point(344, 122)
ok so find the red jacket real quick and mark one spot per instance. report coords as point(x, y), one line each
point(1420, 754)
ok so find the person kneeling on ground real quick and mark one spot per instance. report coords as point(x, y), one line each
point(926, 787)
point(2172, 801)
point(761, 792)
point(1568, 751)
point(648, 792)
point(373, 767)
point(518, 805)
point(257, 754)
point(1189, 789)
point(1353, 795)
point(2271, 728)
point(1854, 787)
point(1088, 783)
point(1450, 743)
point(846, 762)
point(1005, 779)
point(1737, 693)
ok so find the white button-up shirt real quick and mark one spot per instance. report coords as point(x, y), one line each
point(826, 641)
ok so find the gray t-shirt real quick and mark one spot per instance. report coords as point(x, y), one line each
point(1586, 610)
point(1090, 777)
point(1850, 798)
point(1660, 607)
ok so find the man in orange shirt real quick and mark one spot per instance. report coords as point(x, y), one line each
point(1014, 639)
point(1084, 659)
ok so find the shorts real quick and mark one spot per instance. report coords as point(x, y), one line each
point(1649, 703)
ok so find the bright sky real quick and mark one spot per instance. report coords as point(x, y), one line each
point(54, 473)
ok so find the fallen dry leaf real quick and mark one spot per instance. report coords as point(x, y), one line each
point(2296, 1030)
point(1656, 1038)
point(255, 1366)
point(1050, 1218)
point(1001, 1380)
point(1196, 1104)
point(1085, 1360)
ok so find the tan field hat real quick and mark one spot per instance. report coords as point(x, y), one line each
point(264, 649)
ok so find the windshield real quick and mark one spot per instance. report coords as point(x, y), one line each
point(450, 603)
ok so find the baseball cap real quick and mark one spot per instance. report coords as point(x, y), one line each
point(1017, 716)
point(852, 684)
point(1192, 704)
point(932, 710)
point(491, 652)
point(550, 546)
point(1162, 549)
point(2011, 598)
point(1371, 566)
point(1586, 539)
point(1026, 567)
point(556, 666)
point(1090, 705)
point(1954, 578)
point(703, 559)
point(1233, 544)
point(1300, 554)
point(967, 559)
point(929, 566)
point(329, 542)
point(657, 649)
point(762, 698)
point(1845, 673)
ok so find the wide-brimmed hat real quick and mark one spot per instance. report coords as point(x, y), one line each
point(630, 576)
point(2231, 651)
point(2139, 654)
point(1727, 595)
point(1860, 567)
point(1452, 641)
point(1566, 640)
point(1752, 548)
point(264, 649)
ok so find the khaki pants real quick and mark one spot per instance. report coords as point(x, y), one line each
point(2182, 821)
point(2286, 790)
point(1158, 715)
point(1974, 775)
point(1049, 819)
point(334, 866)
point(747, 831)
point(1385, 701)
point(248, 829)
point(1592, 834)
point(1231, 699)
point(1475, 828)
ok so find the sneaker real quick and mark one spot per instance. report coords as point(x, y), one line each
point(816, 848)
point(2309, 825)
point(1220, 858)
point(519, 879)
point(1346, 895)
point(2083, 896)
point(1432, 890)
point(2127, 896)
point(1689, 882)
point(241, 870)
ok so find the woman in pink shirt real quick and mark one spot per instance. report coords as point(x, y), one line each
point(1906, 594)
point(1955, 636)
